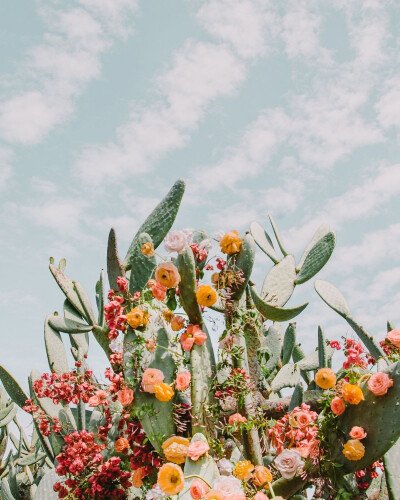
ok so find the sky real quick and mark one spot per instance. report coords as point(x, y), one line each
point(289, 108)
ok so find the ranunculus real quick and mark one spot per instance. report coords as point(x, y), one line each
point(167, 275)
point(236, 417)
point(353, 450)
point(325, 378)
point(183, 380)
point(230, 243)
point(352, 394)
point(125, 396)
point(206, 296)
point(147, 249)
point(158, 290)
point(379, 383)
point(225, 467)
point(150, 378)
point(163, 392)
point(198, 489)
point(300, 419)
point(177, 323)
point(394, 337)
point(176, 241)
point(228, 486)
point(175, 449)
point(136, 317)
point(151, 345)
point(357, 433)
point(288, 462)
point(244, 470)
point(197, 449)
point(261, 476)
point(122, 445)
point(338, 406)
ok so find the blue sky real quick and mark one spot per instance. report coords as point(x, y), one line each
point(290, 108)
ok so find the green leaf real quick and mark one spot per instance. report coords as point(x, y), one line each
point(279, 283)
point(263, 241)
point(278, 235)
point(67, 287)
point(114, 265)
point(47, 405)
point(78, 341)
point(101, 297)
point(297, 397)
point(319, 233)
point(45, 489)
point(6, 420)
point(187, 286)
point(391, 461)
point(275, 313)
point(12, 387)
point(317, 258)
point(270, 352)
point(89, 314)
point(142, 267)
point(31, 459)
point(288, 376)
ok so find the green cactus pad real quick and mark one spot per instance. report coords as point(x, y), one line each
point(322, 349)
point(263, 241)
point(288, 376)
point(270, 352)
point(68, 325)
point(56, 355)
point(160, 221)
point(9, 417)
point(78, 341)
point(331, 295)
point(288, 487)
point(12, 387)
point(114, 265)
point(45, 489)
point(31, 459)
point(142, 266)
point(319, 233)
point(187, 286)
point(289, 341)
point(279, 283)
point(101, 296)
point(278, 235)
point(67, 287)
point(297, 397)
point(275, 313)
point(391, 461)
point(311, 362)
point(47, 405)
point(243, 261)
point(316, 258)
point(89, 315)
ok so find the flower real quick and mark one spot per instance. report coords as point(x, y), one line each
point(261, 475)
point(192, 335)
point(228, 486)
point(177, 323)
point(236, 417)
point(158, 290)
point(94, 401)
point(244, 470)
point(325, 378)
point(230, 243)
point(206, 296)
point(213, 495)
point(300, 419)
point(122, 445)
point(167, 274)
point(338, 406)
point(125, 396)
point(225, 467)
point(168, 315)
point(357, 433)
point(198, 489)
point(288, 463)
point(352, 394)
point(260, 496)
point(183, 380)
point(353, 450)
point(137, 477)
point(170, 479)
point(122, 284)
point(163, 392)
point(117, 345)
point(147, 249)
point(394, 337)
point(156, 493)
point(379, 383)
point(175, 449)
point(150, 378)
point(197, 449)
point(136, 317)
point(99, 398)
point(151, 345)
point(176, 241)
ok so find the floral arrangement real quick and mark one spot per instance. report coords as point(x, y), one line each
point(170, 418)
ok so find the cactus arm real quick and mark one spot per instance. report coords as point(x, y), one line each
point(142, 266)
point(12, 387)
point(279, 283)
point(322, 351)
point(317, 258)
point(297, 397)
point(100, 297)
point(278, 236)
point(319, 233)
point(67, 325)
point(391, 461)
point(114, 265)
point(243, 261)
point(67, 287)
point(275, 313)
point(288, 376)
point(289, 341)
point(56, 355)
point(263, 241)
point(288, 487)
point(89, 315)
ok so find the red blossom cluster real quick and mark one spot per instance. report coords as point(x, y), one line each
point(200, 254)
point(42, 419)
point(297, 430)
point(365, 476)
point(354, 350)
point(117, 358)
point(114, 314)
point(388, 348)
point(117, 381)
point(221, 263)
point(237, 382)
point(65, 388)
point(143, 454)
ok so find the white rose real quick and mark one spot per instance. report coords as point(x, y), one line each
point(228, 485)
point(225, 467)
point(206, 245)
point(176, 241)
point(117, 345)
point(155, 493)
point(288, 462)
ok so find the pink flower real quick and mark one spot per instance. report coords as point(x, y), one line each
point(151, 345)
point(237, 417)
point(198, 489)
point(122, 284)
point(158, 290)
point(394, 337)
point(176, 241)
point(94, 401)
point(357, 433)
point(192, 335)
point(288, 462)
point(260, 496)
point(337, 406)
point(182, 380)
point(150, 378)
point(335, 344)
point(229, 487)
point(379, 383)
point(197, 449)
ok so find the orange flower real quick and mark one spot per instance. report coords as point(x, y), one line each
point(352, 394)
point(231, 242)
point(177, 323)
point(213, 495)
point(353, 450)
point(170, 479)
point(337, 406)
point(261, 476)
point(168, 315)
point(137, 477)
point(151, 345)
point(357, 433)
point(167, 274)
point(243, 470)
point(125, 396)
point(122, 445)
point(135, 318)
point(237, 417)
point(193, 335)
point(163, 392)
point(183, 380)
point(159, 291)
point(147, 249)
point(206, 296)
point(150, 378)
point(325, 378)
point(175, 449)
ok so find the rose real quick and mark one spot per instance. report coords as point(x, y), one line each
point(159, 291)
point(357, 433)
point(94, 401)
point(176, 241)
point(228, 486)
point(394, 337)
point(177, 323)
point(150, 378)
point(167, 275)
point(198, 489)
point(337, 406)
point(236, 417)
point(379, 383)
point(125, 396)
point(197, 449)
point(260, 496)
point(288, 462)
point(183, 380)
point(121, 445)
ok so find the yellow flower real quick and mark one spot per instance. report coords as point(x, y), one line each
point(352, 394)
point(170, 479)
point(231, 242)
point(175, 449)
point(206, 296)
point(168, 315)
point(243, 470)
point(261, 476)
point(147, 249)
point(325, 378)
point(135, 317)
point(163, 392)
point(353, 449)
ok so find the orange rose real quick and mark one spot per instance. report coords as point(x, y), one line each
point(352, 394)
point(163, 392)
point(198, 489)
point(168, 315)
point(125, 396)
point(175, 449)
point(337, 406)
point(357, 433)
point(170, 479)
point(122, 445)
point(135, 318)
point(261, 476)
point(159, 291)
point(353, 450)
point(379, 383)
point(151, 377)
point(206, 296)
point(177, 323)
point(230, 243)
point(243, 470)
point(325, 378)
point(183, 380)
point(237, 417)
point(167, 274)
point(147, 249)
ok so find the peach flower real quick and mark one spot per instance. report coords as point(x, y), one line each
point(147, 249)
point(163, 392)
point(338, 406)
point(94, 401)
point(175, 449)
point(229, 487)
point(170, 479)
point(325, 378)
point(168, 315)
point(213, 495)
point(137, 477)
point(352, 394)
point(167, 275)
point(151, 345)
point(244, 470)
point(300, 419)
point(158, 290)
point(379, 383)
point(183, 380)
point(260, 496)
point(125, 396)
point(197, 449)
point(261, 476)
point(288, 463)
point(177, 323)
point(357, 433)
point(150, 378)
point(99, 398)
point(394, 337)
point(122, 445)
point(192, 335)
point(237, 417)
point(230, 243)
point(198, 489)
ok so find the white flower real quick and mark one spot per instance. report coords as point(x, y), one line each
point(225, 467)
point(288, 462)
point(155, 493)
point(218, 235)
point(206, 245)
point(228, 485)
point(117, 345)
point(176, 241)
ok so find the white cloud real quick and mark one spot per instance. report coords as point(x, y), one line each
point(6, 172)
point(60, 68)
point(388, 106)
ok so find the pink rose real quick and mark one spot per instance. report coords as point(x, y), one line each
point(288, 462)
point(357, 433)
point(228, 487)
point(197, 449)
point(183, 380)
point(94, 401)
point(150, 378)
point(337, 406)
point(260, 496)
point(176, 241)
point(158, 290)
point(379, 383)
point(394, 337)
point(198, 489)
point(237, 417)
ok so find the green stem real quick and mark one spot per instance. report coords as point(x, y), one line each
point(170, 350)
point(199, 477)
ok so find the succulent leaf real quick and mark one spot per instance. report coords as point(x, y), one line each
point(278, 235)
point(317, 258)
point(114, 265)
point(142, 266)
point(12, 387)
point(279, 283)
point(263, 241)
point(275, 313)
